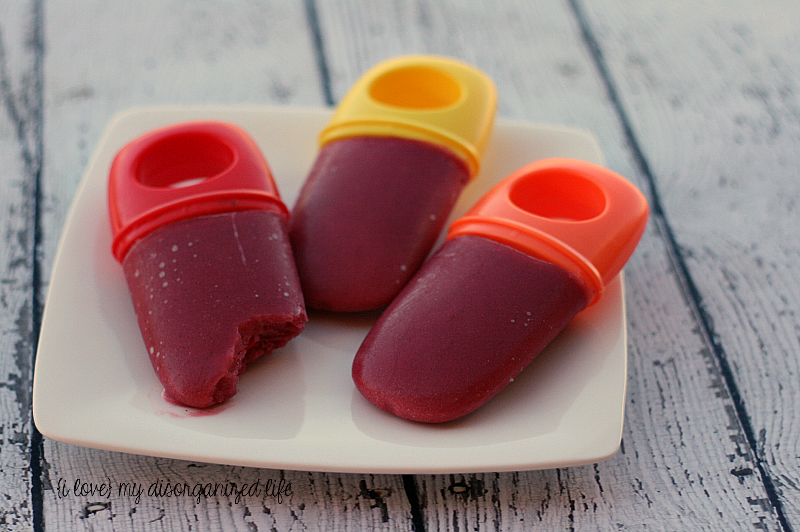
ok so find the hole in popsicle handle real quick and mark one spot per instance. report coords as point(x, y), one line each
point(416, 87)
point(182, 160)
point(559, 195)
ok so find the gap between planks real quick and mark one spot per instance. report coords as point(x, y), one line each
point(693, 296)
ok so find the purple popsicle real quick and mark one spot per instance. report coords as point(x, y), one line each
point(211, 295)
point(393, 160)
point(535, 251)
point(200, 231)
point(369, 212)
point(473, 317)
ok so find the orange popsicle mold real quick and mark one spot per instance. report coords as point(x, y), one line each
point(420, 97)
point(580, 216)
point(183, 171)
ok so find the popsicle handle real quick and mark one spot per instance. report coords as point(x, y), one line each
point(183, 171)
point(581, 216)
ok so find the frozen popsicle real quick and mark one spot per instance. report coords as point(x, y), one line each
point(200, 231)
point(513, 272)
point(393, 160)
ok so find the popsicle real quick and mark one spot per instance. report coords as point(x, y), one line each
point(527, 258)
point(393, 160)
point(200, 231)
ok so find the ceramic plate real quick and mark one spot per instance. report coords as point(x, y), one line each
point(298, 408)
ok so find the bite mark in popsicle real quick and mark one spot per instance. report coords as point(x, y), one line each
point(201, 234)
point(514, 271)
point(402, 145)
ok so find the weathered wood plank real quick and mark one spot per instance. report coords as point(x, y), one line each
point(20, 108)
point(103, 57)
point(680, 430)
point(142, 496)
point(712, 94)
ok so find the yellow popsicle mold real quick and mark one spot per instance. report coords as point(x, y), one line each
point(420, 97)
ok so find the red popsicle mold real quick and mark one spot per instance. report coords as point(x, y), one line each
point(578, 215)
point(184, 171)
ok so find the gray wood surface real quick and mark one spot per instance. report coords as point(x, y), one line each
point(20, 155)
point(696, 102)
point(728, 76)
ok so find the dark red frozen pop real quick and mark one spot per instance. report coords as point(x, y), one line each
point(200, 231)
point(393, 160)
point(514, 271)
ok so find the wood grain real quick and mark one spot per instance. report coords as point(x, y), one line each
point(727, 76)
point(256, 499)
point(20, 110)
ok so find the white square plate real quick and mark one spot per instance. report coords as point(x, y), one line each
point(298, 408)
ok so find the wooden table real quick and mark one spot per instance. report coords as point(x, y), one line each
point(696, 102)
